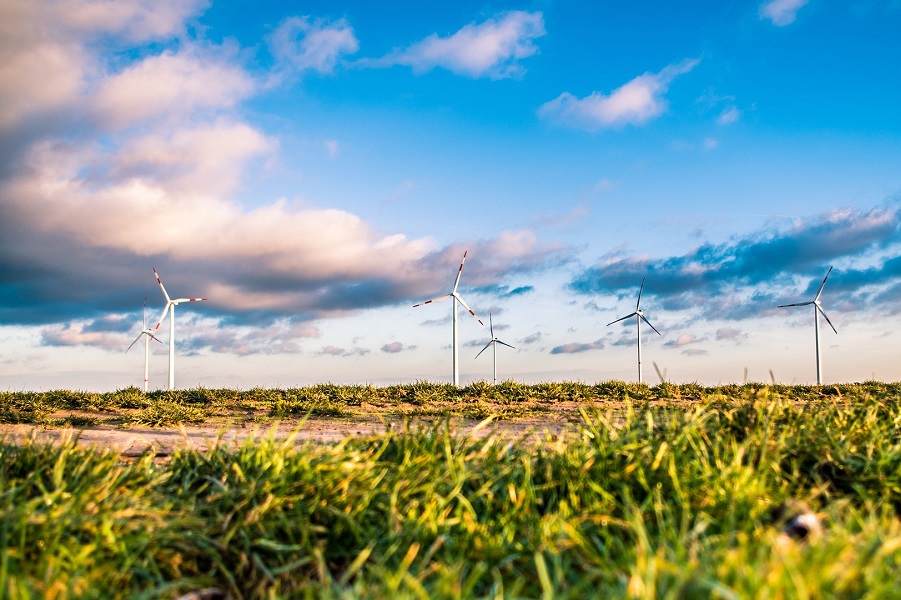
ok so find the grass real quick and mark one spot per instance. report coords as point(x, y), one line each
point(652, 497)
point(507, 400)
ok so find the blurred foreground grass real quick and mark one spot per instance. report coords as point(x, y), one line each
point(665, 493)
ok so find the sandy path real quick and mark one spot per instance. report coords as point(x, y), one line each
point(134, 441)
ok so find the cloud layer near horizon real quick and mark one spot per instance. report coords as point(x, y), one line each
point(750, 275)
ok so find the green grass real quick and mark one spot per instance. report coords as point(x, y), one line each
point(507, 400)
point(647, 498)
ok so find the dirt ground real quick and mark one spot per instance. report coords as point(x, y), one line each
point(134, 441)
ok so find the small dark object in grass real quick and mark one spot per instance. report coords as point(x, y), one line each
point(796, 520)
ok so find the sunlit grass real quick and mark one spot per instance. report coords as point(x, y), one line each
point(645, 498)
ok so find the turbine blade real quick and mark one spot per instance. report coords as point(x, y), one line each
point(460, 272)
point(179, 300)
point(144, 315)
point(643, 318)
point(795, 304)
point(820, 308)
point(621, 319)
point(162, 287)
point(485, 348)
point(659, 374)
point(466, 306)
point(638, 304)
point(134, 342)
point(490, 326)
point(505, 344)
point(162, 316)
point(153, 337)
point(822, 285)
point(438, 299)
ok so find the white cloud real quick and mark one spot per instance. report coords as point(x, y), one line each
point(396, 347)
point(46, 66)
point(306, 44)
point(171, 85)
point(492, 48)
point(331, 148)
point(781, 12)
point(685, 339)
point(729, 116)
point(342, 352)
point(77, 334)
point(634, 103)
point(279, 337)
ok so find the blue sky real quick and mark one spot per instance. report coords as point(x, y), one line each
point(315, 169)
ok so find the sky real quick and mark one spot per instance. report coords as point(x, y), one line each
point(315, 169)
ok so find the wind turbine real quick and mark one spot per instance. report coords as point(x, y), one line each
point(639, 317)
point(170, 308)
point(494, 341)
point(148, 333)
point(456, 298)
point(817, 309)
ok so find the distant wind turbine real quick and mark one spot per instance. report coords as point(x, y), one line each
point(148, 335)
point(494, 341)
point(456, 298)
point(170, 308)
point(639, 317)
point(817, 309)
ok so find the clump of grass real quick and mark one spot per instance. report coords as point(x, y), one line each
point(165, 413)
point(75, 421)
point(26, 407)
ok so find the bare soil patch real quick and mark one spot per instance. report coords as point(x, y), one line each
point(132, 441)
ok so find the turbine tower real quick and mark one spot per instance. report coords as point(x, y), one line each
point(456, 298)
point(817, 309)
point(495, 342)
point(170, 308)
point(639, 317)
point(148, 335)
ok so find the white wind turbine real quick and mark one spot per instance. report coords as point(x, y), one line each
point(639, 317)
point(494, 341)
point(817, 309)
point(170, 308)
point(456, 298)
point(148, 335)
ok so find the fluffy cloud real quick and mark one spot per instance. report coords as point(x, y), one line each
point(781, 12)
point(574, 348)
point(305, 44)
point(493, 48)
point(87, 333)
point(342, 352)
point(396, 347)
point(731, 334)
point(171, 84)
point(684, 340)
point(634, 103)
point(531, 339)
point(279, 337)
point(46, 65)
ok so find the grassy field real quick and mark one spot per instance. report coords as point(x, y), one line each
point(656, 492)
